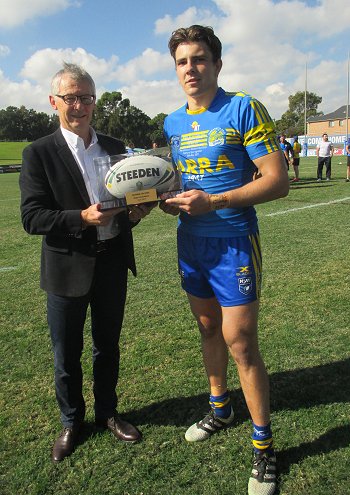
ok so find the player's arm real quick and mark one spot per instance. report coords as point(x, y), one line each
point(272, 184)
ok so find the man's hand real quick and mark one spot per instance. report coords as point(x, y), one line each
point(193, 202)
point(171, 210)
point(94, 216)
point(137, 212)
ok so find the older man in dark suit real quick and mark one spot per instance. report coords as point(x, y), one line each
point(86, 253)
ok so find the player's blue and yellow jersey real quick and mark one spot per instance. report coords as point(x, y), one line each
point(283, 146)
point(214, 149)
point(296, 149)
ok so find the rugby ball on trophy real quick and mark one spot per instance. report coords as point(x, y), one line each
point(139, 172)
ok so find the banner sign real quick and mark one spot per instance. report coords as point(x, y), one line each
point(309, 147)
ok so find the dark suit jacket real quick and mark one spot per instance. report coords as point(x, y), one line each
point(53, 193)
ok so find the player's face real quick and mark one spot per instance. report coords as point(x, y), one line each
point(75, 118)
point(196, 71)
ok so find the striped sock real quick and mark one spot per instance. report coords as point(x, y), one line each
point(262, 438)
point(221, 405)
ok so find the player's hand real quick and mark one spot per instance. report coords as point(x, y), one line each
point(171, 210)
point(94, 216)
point(193, 202)
point(137, 212)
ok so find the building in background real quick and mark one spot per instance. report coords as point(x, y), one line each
point(334, 124)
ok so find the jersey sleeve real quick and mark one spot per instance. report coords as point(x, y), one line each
point(257, 129)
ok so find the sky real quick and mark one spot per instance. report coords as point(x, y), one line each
point(267, 45)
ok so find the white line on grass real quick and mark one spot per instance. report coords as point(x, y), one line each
point(291, 210)
point(7, 268)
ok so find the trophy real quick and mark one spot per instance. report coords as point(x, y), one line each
point(134, 179)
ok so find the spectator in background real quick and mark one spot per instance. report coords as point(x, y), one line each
point(324, 152)
point(296, 158)
point(287, 149)
point(130, 148)
point(348, 164)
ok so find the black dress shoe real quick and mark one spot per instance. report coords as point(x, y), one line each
point(121, 429)
point(65, 443)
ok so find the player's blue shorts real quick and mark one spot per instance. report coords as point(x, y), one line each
point(228, 268)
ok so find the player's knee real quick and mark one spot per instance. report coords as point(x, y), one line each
point(208, 326)
point(243, 353)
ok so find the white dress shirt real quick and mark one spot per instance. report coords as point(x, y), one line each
point(85, 160)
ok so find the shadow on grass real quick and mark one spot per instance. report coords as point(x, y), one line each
point(302, 186)
point(336, 438)
point(310, 182)
point(309, 387)
point(290, 390)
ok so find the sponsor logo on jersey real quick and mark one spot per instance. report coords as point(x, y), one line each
point(202, 164)
point(216, 137)
point(175, 141)
point(195, 126)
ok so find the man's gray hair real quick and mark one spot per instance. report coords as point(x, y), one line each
point(74, 71)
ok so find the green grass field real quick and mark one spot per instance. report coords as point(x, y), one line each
point(11, 152)
point(304, 337)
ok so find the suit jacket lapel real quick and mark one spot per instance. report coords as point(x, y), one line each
point(106, 144)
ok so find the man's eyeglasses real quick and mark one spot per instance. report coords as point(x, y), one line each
point(73, 99)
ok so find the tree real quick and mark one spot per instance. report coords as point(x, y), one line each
point(107, 107)
point(116, 117)
point(156, 129)
point(20, 124)
point(40, 124)
point(135, 124)
point(292, 122)
point(11, 123)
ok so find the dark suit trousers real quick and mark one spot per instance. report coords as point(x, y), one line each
point(324, 161)
point(66, 319)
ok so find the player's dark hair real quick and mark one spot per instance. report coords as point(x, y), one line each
point(196, 33)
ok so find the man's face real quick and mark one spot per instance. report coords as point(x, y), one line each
point(325, 137)
point(75, 118)
point(195, 69)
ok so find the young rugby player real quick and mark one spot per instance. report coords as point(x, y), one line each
point(218, 140)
